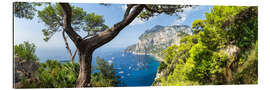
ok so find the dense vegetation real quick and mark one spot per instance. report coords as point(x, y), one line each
point(222, 50)
point(26, 51)
point(53, 74)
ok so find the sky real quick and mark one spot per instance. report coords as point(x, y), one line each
point(31, 30)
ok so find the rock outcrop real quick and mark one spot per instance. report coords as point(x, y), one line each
point(24, 69)
point(158, 38)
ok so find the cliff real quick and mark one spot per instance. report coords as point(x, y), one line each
point(158, 38)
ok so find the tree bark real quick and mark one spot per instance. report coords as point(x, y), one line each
point(228, 75)
point(84, 77)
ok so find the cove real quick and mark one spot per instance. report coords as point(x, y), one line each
point(134, 70)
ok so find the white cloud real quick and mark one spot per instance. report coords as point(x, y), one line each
point(180, 20)
point(183, 15)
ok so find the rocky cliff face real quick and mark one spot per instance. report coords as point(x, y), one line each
point(158, 38)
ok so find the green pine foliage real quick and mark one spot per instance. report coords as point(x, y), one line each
point(203, 58)
point(52, 16)
point(25, 10)
point(53, 74)
point(26, 51)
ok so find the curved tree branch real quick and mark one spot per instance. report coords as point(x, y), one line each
point(107, 35)
point(67, 12)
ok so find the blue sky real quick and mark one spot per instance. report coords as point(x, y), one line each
point(30, 30)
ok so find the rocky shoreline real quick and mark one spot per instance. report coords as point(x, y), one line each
point(158, 58)
point(153, 41)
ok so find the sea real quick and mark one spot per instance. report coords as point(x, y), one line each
point(134, 70)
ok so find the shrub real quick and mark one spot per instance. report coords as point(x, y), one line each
point(26, 51)
point(53, 74)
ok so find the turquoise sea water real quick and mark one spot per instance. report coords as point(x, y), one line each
point(134, 70)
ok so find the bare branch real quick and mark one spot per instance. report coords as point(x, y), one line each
point(67, 46)
point(74, 53)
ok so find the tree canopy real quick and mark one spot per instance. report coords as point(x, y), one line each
point(52, 16)
point(25, 10)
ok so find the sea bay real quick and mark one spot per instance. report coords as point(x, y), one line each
point(134, 70)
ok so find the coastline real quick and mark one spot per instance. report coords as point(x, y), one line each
point(155, 56)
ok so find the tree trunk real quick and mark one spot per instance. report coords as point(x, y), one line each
point(87, 46)
point(85, 69)
point(228, 75)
